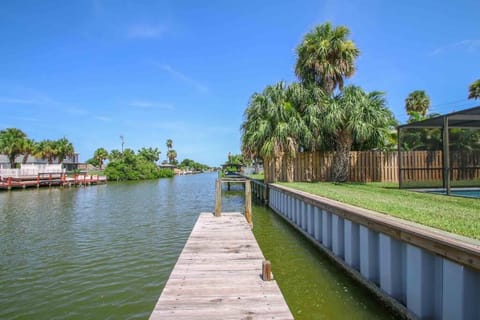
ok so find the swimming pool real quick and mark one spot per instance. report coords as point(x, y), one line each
point(469, 193)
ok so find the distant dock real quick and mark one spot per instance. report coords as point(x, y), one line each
point(219, 275)
point(49, 180)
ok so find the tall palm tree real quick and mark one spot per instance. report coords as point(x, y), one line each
point(417, 102)
point(64, 148)
point(272, 128)
point(12, 144)
point(326, 56)
point(474, 90)
point(169, 144)
point(354, 115)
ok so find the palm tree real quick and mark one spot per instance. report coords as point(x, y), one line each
point(169, 144)
point(354, 115)
point(115, 155)
point(12, 144)
point(306, 100)
point(149, 154)
point(272, 128)
point(64, 148)
point(28, 149)
point(417, 101)
point(474, 90)
point(46, 149)
point(172, 155)
point(99, 156)
point(326, 57)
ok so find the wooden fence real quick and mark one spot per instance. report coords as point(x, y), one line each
point(377, 166)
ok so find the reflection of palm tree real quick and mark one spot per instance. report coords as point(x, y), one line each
point(326, 57)
point(474, 90)
point(12, 144)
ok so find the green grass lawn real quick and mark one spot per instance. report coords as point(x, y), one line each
point(256, 176)
point(453, 214)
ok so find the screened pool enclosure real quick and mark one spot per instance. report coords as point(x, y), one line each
point(441, 152)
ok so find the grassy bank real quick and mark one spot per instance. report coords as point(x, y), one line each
point(256, 176)
point(453, 214)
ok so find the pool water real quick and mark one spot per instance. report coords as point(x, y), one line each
point(469, 193)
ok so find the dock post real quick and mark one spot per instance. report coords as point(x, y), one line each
point(266, 270)
point(248, 202)
point(218, 198)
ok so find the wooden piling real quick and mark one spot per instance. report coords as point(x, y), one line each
point(248, 203)
point(218, 198)
point(266, 270)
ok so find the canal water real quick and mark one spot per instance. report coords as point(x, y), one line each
point(105, 252)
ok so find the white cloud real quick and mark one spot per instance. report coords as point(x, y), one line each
point(104, 119)
point(182, 77)
point(5, 100)
point(150, 105)
point(146, 32)
point(465, 45)
point(75, 111)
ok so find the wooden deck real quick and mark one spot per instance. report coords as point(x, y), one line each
point(218, 276)
point(50, 180)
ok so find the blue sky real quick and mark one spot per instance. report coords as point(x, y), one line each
point(92, 70)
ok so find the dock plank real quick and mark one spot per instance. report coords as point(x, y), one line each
point(218, 276)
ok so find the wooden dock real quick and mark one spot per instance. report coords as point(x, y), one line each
point(50, 180)
point(219, 276)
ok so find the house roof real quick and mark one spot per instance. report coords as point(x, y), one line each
point(468, 118)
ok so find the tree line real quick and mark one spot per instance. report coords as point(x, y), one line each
point(320, 112)
point(130, 165)
point(14, 143)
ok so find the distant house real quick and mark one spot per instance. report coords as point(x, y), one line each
point(69, 163)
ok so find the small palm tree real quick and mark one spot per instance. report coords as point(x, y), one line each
point(171, 155)
point(12, 144)
point(28, 149)
point(99, 156)
point(326, 56)
point(354, 115)
point(63, 149)
point(46, 149)
point(474, 90)
point(417, 102)
point(272, 128)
